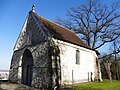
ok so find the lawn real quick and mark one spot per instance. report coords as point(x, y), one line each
point(105, 85)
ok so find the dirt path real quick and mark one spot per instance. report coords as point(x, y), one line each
point(9, 86)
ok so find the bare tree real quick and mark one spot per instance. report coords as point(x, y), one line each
point(95, 23)
point(114, 50)
point(115, 47)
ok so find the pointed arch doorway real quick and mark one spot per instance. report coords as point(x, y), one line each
point(27, 67)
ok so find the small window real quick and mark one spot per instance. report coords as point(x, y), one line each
point(77, 57)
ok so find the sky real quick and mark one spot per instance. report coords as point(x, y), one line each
point(13, 14)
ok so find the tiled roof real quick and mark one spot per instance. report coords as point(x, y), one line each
point(61, 33)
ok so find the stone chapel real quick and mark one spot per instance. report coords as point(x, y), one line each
point(47, 55)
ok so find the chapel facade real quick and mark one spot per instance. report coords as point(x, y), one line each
point(48, 55)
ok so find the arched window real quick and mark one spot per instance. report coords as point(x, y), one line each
point(77, 57)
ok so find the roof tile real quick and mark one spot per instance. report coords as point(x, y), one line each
point(61, 33)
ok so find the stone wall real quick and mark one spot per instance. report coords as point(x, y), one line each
point(13, 73)
point(41, 73)
point(72, 72)
point(35, 31)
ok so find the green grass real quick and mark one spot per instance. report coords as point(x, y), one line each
point(105, 85)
